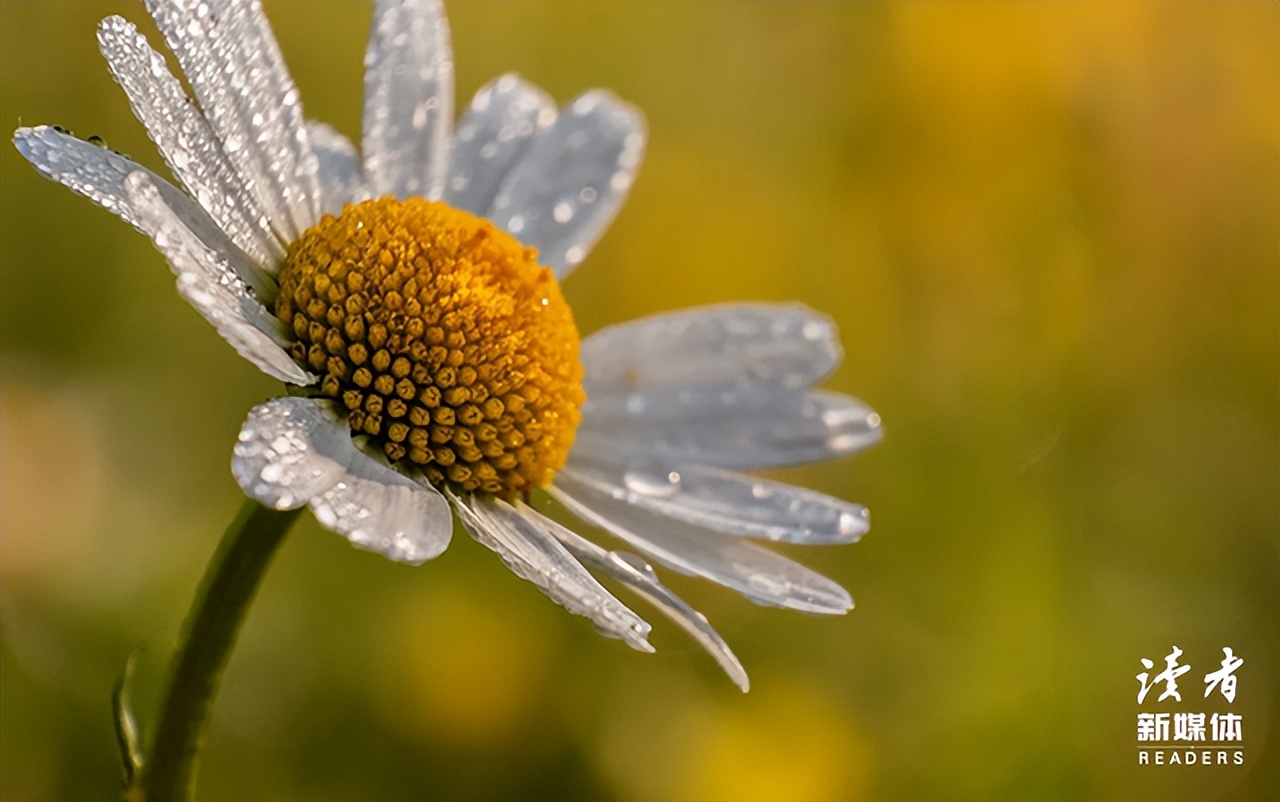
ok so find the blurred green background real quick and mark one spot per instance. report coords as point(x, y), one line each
point(1049, 233)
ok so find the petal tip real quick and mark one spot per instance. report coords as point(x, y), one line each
point(25, 136)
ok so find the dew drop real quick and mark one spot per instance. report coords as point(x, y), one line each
point(653, 485)
point(620, 181)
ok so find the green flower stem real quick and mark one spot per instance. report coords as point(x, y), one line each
point(208, 635)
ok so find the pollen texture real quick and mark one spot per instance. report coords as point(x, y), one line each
point(446, 343)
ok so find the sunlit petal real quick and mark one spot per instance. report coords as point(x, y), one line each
point(638, 575)
point(504, 118)
point(757, 573)
point(728, 502)
point(408, 99)
point(295, 451)
point(571, 182)
point(234, 66)
point(532, 553)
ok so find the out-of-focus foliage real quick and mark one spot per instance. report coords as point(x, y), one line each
point(1049, 233)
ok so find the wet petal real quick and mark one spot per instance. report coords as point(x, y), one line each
point(208, 283)
point(747, 432)
point(638, 575)
point(729, 502)
point(284, 456)
point(89, 170)
point(184, 138)
point(497, 129)
point(532, 553)
point(381, 510)
point(573, 179)
point(234, 66)
point(408, 99)
point(339, 167)
point(294, 451)
point(99, 174)
point(707, 357)
point(757, 573)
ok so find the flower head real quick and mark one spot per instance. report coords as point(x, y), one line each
point(409, 295)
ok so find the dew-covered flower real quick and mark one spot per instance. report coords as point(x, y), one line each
point(409, 294)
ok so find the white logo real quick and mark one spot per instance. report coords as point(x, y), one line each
point(1226, 675)
point(1189, 738)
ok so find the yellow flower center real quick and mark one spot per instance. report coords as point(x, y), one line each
point(445, 341)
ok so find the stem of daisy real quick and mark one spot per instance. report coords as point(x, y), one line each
point(208, 635)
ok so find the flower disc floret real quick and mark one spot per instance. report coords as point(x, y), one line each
point(446, 343)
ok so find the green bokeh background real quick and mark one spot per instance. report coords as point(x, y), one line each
point(1049, 233)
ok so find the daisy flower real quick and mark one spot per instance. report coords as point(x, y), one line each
point(408, 293)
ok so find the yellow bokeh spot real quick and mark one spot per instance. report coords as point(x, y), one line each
point(463, 672)
point(785, 742)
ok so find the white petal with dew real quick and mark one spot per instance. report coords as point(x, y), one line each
point(184, 139)
point(504, 118)
point(339, 167)
point(288, 138)
point(408, 99)
point(638, 575)
point(289, 451)
point(759, 574)
point(707, 355)
point(208, 283)
point(99, 174)
point(531, 553)
point(294, 451)
point(86, 169)
point(563, 193)
point(728, 502)
point(763, 431)
point(234, 66)
point(381, 510)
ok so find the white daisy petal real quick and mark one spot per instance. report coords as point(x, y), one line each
point(638, 575)
point(294, 451)
point(89, 170)
point(728, 502)
point(235, 68)
point(571, 182)
point(503, 119)
point(381, 510)
point(532, 553)
point(768, 431)
point(759, 574)
point(289, 451)
point(207, 282)
point(408, 99)
point(184, 138)
point(99, 174)
point(339, 167)
point(707, 356)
